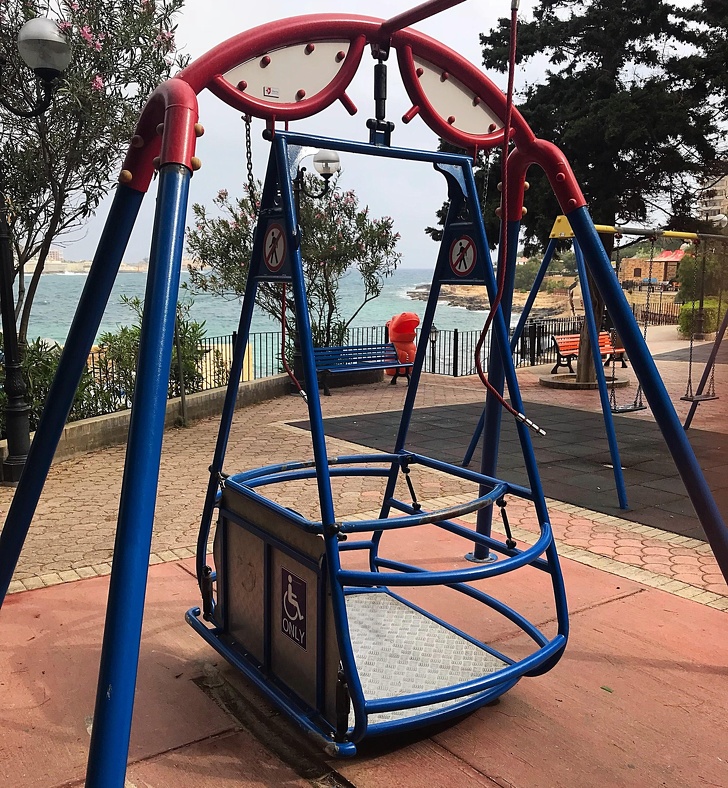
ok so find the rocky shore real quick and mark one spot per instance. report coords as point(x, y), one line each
point(475, 298)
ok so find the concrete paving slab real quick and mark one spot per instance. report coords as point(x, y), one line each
point(236, 760)
point(49, 664)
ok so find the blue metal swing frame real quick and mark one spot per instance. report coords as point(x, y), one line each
point(384, 573)
point(165, 142)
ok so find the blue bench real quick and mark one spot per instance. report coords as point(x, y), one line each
point(357, 358)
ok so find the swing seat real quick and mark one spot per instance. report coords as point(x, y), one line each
point(335, 645)
point(627, 408)
point(699, 397)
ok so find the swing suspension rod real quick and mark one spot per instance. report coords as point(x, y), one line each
point(656, 232)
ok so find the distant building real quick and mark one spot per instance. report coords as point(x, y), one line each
point(713, 199)
point(664, 267)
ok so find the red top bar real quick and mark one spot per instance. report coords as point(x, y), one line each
point(417, 14)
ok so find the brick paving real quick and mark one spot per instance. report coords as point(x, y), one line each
point(73, 531)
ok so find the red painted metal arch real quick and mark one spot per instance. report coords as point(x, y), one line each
point(174, 103)
point(207, 71)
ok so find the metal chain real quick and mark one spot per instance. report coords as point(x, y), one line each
point(646, 316)
point(693, 282)
point(711, 384)
point(613, 386)
point(249, 164)
point(486, 177)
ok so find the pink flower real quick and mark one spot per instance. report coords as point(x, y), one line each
point(74, 6)
point(97, 83)
point(86, 34)
point(64, 27)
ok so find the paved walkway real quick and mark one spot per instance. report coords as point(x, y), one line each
point(72, 535)
point(637, 700)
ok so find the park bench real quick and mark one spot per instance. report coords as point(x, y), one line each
point(357, 358)
point(567, 350)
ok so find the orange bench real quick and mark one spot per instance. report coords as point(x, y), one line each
point(567, 350)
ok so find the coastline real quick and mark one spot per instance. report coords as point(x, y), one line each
point(474, 298)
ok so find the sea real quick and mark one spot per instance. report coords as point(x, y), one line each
point(58, 296)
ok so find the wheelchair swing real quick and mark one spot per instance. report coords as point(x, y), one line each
point(282, 606)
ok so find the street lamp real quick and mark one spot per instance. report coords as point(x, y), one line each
point(327, 164)
point(45, 50)
point(434, 334)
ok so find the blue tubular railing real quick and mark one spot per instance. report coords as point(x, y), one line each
point(450, 576)
point(501, 676)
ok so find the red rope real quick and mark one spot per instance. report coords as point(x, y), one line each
point(503, 240)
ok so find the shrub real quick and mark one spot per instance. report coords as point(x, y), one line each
point(689, 316)
point(107, 384)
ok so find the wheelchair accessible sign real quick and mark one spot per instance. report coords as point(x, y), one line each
point(293, 607)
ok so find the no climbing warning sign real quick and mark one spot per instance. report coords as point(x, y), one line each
point(274, 247)
point(463, 255)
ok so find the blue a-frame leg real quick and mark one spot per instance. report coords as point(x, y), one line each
point(81, 335)
point(125, 608)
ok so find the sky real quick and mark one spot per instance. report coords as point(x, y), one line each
point(408, 192)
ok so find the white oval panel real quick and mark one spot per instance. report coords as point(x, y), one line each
point(289, 71)
point(450, 98)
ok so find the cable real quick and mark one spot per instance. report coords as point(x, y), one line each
point(503, 242)
point(286, 366)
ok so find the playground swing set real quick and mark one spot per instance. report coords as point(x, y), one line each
point(607, 385)
point(339, 649)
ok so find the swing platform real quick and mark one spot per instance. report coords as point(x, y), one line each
point(627, 408)
point(286, 610)
point(699, 397)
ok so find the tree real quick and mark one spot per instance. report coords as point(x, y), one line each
point(58, 167)
point(624, 100)
point(637, 126)
point(337, 237)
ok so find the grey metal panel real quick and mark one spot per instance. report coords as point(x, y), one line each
point(290, 662)
point(400, 651)
point(311, 545)
point(245, 588)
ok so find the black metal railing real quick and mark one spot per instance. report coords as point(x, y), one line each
point(108, 385)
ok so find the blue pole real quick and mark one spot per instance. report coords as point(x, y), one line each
point(226, 420)
point(601, 381)
point(653, 387)
point(514, 339)
point(81, 335)
point(125, 608)
point(496, 376)
point(548, 256)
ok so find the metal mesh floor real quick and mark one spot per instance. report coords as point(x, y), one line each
point(399, 651)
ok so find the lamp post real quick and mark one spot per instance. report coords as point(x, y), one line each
point(434, 333)
point(45, 50)
point(327, 164)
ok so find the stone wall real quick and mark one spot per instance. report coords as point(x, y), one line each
point(101, 431)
